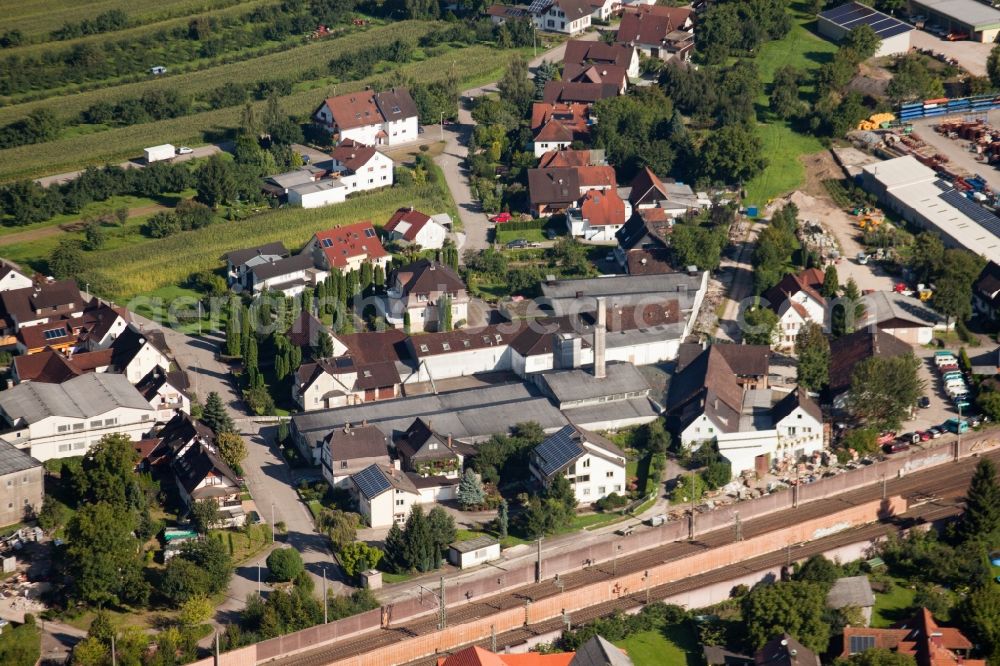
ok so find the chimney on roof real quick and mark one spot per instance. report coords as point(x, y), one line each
point(600, 332)
point(449, 440)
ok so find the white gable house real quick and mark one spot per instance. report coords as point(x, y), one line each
point(385, 495)
point(593, 465)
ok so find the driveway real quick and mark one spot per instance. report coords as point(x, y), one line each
point(475, 223)
point(970, 55)
point(137, 163)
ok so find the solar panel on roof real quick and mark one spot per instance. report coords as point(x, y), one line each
point(851, 15)
point(861, 643)
point(973, 211)
point(539, 6)
point(371, 481)
point(558, 450)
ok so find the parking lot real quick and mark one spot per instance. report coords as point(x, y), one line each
point(957, 150)
point(970, 55)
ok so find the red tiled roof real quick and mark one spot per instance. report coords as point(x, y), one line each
point(352, 154)
point(574, 91)
point(559, 122)
point(582, 52)
point(565, 158)
point(414, 218)
point(596, 176)
point(600, 73)
point(920, 637)
point(353, 240)
point(477, 656)
point(52, 367)
point(355, 109)
point(603, 208)
point(650, 24)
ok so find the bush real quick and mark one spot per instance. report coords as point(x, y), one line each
point(611, 502)
point(285, 564)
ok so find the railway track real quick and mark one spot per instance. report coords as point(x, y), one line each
point(942, 483)
point(519, 636)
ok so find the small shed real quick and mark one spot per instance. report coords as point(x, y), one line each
point(852, 591)
point(465, 554)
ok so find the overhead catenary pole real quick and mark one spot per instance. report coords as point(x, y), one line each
point(538, 560)
point(326, 604)
point(442, 608)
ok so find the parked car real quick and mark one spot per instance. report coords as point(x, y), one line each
point(953, 374)
point(500, 218)
point(910, 438)
point(896, 447)
point(945, 358)
point(935, 432)
point(517, 243)
point(924, 402)
point(184, 150)
point(956, 426)
point(886, 437)
point(924, 435)
point(862, 258)
point(550, 233)
point(960, 402)
point(945, 368)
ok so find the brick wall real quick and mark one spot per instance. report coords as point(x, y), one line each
point(465, 592)
point(632, 583)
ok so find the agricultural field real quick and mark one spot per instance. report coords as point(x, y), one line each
point(469, 65)
point(37, 19)
point(146, 265)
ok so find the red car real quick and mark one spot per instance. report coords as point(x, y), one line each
point(500, 218)
point(886, 437)
point(925, 435)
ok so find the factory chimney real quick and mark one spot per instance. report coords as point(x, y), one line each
point(600, 332)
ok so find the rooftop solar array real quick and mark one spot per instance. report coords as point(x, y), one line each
point(974, 211)
point(371, 481)
point(861, 643)
point(558, 450)
point(539, 6)
point(853, 14)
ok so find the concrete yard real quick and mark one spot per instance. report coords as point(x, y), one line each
point(970, 55)
point(957, 150)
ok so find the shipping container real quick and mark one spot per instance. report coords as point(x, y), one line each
point(159, 153)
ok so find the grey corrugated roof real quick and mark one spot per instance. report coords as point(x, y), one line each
point(593, 416)
point(468, 414)
point(621, 284)
point(599, 652)
point(579, 384)
point(474, 544)
point(850, 591)
point(13, 459)
point(81, 397)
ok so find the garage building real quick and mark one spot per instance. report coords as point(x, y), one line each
point(915, 191)
point(836, 23)
point(980, 21)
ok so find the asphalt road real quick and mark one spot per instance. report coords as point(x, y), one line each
point(475, 223)
point(270, 480)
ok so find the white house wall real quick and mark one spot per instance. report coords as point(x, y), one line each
point(148, 358)
point(542, 147)
point(799, 434)
point(460, 364)
point(365, 134)
point(44, 441)
point(742, 448)
point(317, 199)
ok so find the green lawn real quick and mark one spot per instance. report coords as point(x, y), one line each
point(504, 236)
point(804, 50)
point(892, 606)
point(676, 645)
point(784, 172)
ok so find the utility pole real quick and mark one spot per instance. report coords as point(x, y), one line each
point(883, 486)
point(565, 616)
point(645, 579)
point(258, 579)
point(614, 559)
point(442, 608)
point(114, 658)
point(493, 638)
point(958, 442)
point(217, 651)
point(326, 604)
point(441, 126)
point(538, 560)
point(739, 526)
point(272, 522)
point(561, 584)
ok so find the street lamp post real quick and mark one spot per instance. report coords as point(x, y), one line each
point(441, 126)
point(272, 522)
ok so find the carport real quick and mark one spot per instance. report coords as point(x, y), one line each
point(980, 21)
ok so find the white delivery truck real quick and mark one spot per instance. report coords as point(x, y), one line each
point(157, 153)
